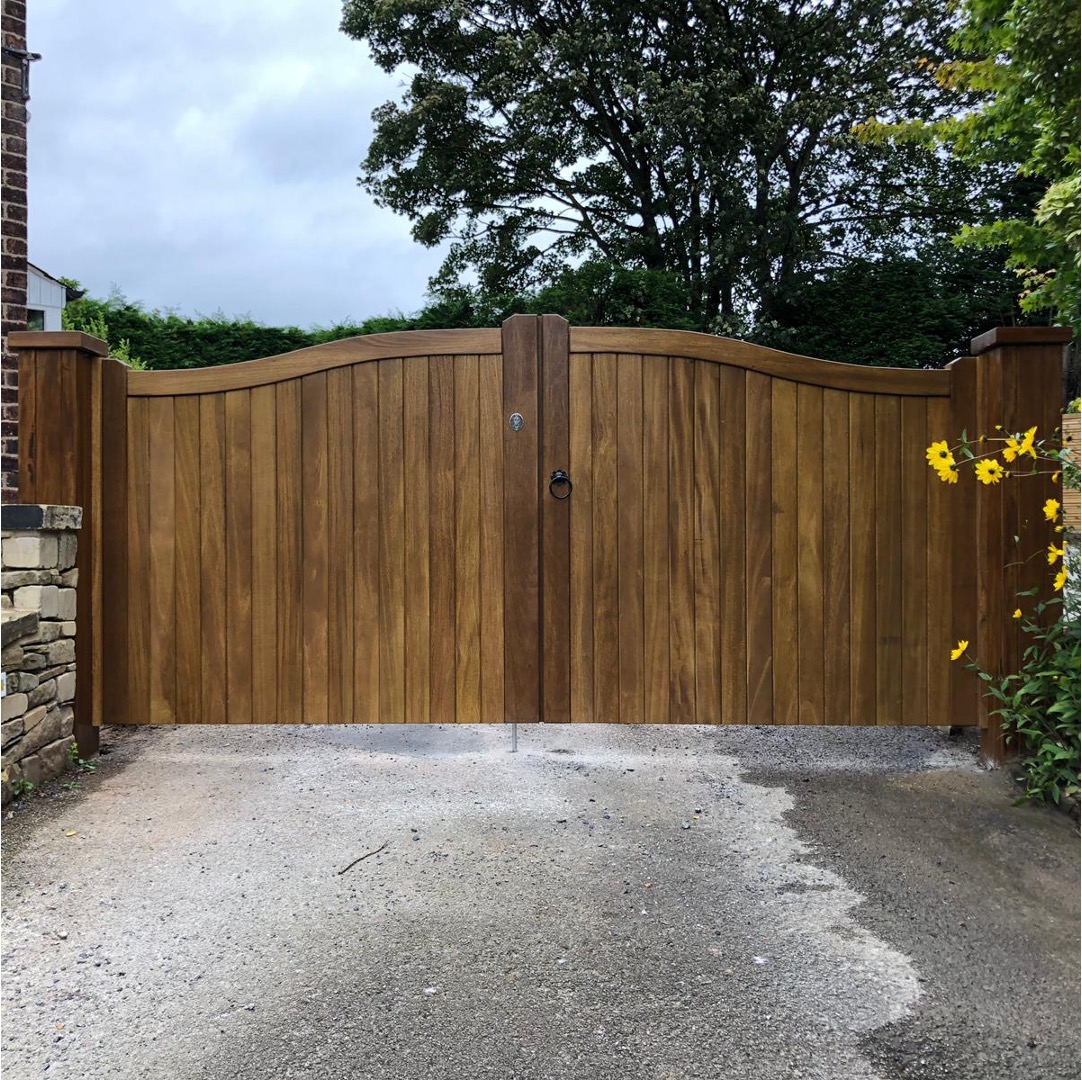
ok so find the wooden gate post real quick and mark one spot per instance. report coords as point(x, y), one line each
point(60, 461)
point(1018, 385)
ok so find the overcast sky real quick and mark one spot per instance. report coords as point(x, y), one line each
point(202, 155)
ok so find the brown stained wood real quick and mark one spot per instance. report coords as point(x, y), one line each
point(467, 547)
point(416, 483)
point(939, 568)
point(116, 656)
point(441, 396)
point(681, 542)
point(42, 340)
point(655, 551)
point(862, 554)
point(837, 469)
point(139, 594)
point(630, 505)
point(733, 503)
point(89, 703)
point(606, 584)
point(555, 539)
point(264, 556)
point(786, 544)
point(392, 570)
point(707, 550)
point(28, 426)
point(315, 525)
point(758, 483)
point(366, 533)
point(290, 553)
point(888, 560)
point(756, 358)
point(492, 425)
point(521, 344)
point(213, 571)
point(162, 563)
point(965, 690)
point(582, 541)
point(345, 352)
point(340, 525)
point(189, 655)
point(914, 568)
point(811, 575)
point(238, 555)
point(57, 429)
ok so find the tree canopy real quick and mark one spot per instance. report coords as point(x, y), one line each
point(707, 141)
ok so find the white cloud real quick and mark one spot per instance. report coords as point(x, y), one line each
point(203, 156)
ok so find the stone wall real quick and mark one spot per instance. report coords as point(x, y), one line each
point(38, 582)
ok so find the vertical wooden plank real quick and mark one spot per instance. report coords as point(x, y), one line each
point(836, 558)
point(366, 534)
point(786, 540)
point(89, 608)
point(418, 614)
point(441, 407)
point(734, 609)
point(139, 597)
point(189, 675)
point(467, 542)
point(606, 551)
point(238, 554)
point(938, 571)
point(315, 589)
point(888, 560)
point(521, 520)
point(340, 644)
point(555, 554)
point(57, 428)
point(758, 481)
point(213, 569)
point(655, 471)
point(392, 585)
point(29, 362)
point(162, 579)
point(862, 574)
point(965, 690)
point(810, 570)
point(914, 573)
point(708, 660)
point(116, 651)
point(264, 556)
point(582, 539)
point(492, 425)
point(629, 544)
point(681, 541)
point(290, 553)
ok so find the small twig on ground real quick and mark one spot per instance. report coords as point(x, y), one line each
point(375, 851)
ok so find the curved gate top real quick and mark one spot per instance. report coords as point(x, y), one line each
point(534, 523)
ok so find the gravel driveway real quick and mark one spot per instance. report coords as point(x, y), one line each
point(609, 901)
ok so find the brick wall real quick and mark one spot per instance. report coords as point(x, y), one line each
point(13, 225)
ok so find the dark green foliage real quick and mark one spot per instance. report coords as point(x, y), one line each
point(711, 144)
point(900, 311)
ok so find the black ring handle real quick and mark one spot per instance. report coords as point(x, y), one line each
point(558, 482)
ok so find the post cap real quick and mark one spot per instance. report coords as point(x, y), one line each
point(1020, 335)
point(57, 339)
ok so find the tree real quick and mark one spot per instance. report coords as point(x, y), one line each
point(1021, 58)
point(711, 141)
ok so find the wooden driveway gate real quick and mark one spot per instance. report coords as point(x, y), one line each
point(537, 523)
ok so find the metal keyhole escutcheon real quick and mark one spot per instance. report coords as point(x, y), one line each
point(560, 485)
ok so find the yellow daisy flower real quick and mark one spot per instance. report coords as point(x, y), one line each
point(961, 648)
point(948, 475)
point(939, 455)
point(1026, 446)
point(1054, 553)
point(1017, 613)
point(1051, 510)
point(1061, 579)
point(989, 471)
point(1011, 450)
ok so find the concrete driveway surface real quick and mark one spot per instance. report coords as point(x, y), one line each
point(614, 902)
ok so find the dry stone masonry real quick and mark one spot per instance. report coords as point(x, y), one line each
point(38, 583)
